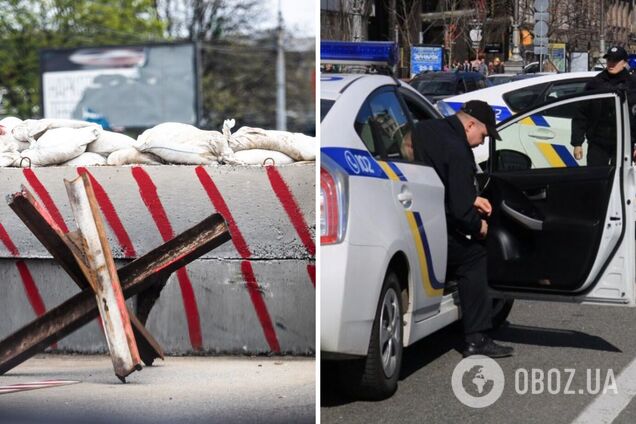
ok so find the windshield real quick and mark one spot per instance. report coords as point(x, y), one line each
point(325, 106)
point(436, 87)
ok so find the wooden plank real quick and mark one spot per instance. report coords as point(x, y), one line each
point(102, 274)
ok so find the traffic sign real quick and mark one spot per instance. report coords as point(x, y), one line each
point(541, 5)
point(540, 29)
point(541, 50)
point(541, 41)
point(542, 16)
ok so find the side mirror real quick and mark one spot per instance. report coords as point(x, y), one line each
point(511, 160)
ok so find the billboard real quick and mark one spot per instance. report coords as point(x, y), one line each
point(557, 53)
point(136, 86)
point(426, 58)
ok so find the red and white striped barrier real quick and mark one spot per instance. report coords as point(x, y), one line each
point(253, 295)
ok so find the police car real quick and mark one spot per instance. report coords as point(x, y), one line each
point(563, 234)
point(507, 99)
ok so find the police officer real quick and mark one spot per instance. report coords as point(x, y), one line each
point(599, 126)
point(445, 144)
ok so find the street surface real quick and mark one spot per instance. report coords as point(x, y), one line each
point(562, 337)
point(177, 390)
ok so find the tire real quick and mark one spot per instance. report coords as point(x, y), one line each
point(376, 376)
point(500, 311)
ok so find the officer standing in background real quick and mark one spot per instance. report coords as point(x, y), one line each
point(445, 144)
point(598, 126)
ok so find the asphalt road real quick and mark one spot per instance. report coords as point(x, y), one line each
point(545, 336)
point(177, 390)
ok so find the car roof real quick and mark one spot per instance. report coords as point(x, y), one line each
point(489, 93)
point(333, 85)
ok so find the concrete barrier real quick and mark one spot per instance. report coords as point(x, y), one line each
point(254, 294)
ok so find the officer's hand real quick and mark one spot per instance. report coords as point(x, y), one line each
point(483, 231)
point(2, 130)
point(483, 206)
point(578, 153)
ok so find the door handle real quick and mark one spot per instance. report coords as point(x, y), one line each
point(405, 197)
point(526, 221)
point(542, 135)
point(538, 195)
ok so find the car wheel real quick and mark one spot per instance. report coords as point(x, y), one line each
point(500, 311)
point(378, 373)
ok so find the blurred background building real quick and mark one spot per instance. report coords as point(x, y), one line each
point(467, 28)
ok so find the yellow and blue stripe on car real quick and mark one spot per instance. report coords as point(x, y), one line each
point(431, 284)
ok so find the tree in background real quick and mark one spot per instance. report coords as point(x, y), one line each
point(238, 59)
point(237, 53)
point(28, 26)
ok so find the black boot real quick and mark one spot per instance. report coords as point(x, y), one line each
point(483, 345)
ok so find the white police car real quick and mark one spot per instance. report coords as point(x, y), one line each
point(555, 233)
point(507, 99)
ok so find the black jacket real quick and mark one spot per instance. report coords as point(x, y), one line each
point(442, 144)
point(596, 123)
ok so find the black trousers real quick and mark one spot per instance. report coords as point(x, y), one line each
point(467, 264)
point(599, 156)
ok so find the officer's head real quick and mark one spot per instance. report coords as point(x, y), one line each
point(616, 59)
point(479, 122)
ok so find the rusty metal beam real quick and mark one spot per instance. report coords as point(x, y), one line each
point(134, 277)
point(61, 247)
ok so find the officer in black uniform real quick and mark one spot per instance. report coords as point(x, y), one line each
point(445, 144)
point(598, 125)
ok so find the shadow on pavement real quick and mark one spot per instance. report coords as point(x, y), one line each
point(552, 337)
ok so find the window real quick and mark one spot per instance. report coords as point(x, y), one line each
point(523, 98)
point(325, 107)
point(559, 90)
point(382, 124)
point(547, 139)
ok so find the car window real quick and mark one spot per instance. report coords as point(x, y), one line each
point(547, 139)
point(558, 90)
point(418, 109)
point(325, 107)
point(524, 97)
point(382, 124)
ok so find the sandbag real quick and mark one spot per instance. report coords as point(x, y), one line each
point(295, 145)
point(9, 123)
point(109, 141)
point(32, 129)
point(86, 159)
point(9, 155)
point(185, 144)
point(59, 145)
point(132, 156)
point(263, 157)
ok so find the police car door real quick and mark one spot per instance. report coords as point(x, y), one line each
point(418, 195)
point(563, 232)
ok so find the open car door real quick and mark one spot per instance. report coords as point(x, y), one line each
point(563, 229)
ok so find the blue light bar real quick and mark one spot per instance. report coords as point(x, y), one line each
point(361, 52)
